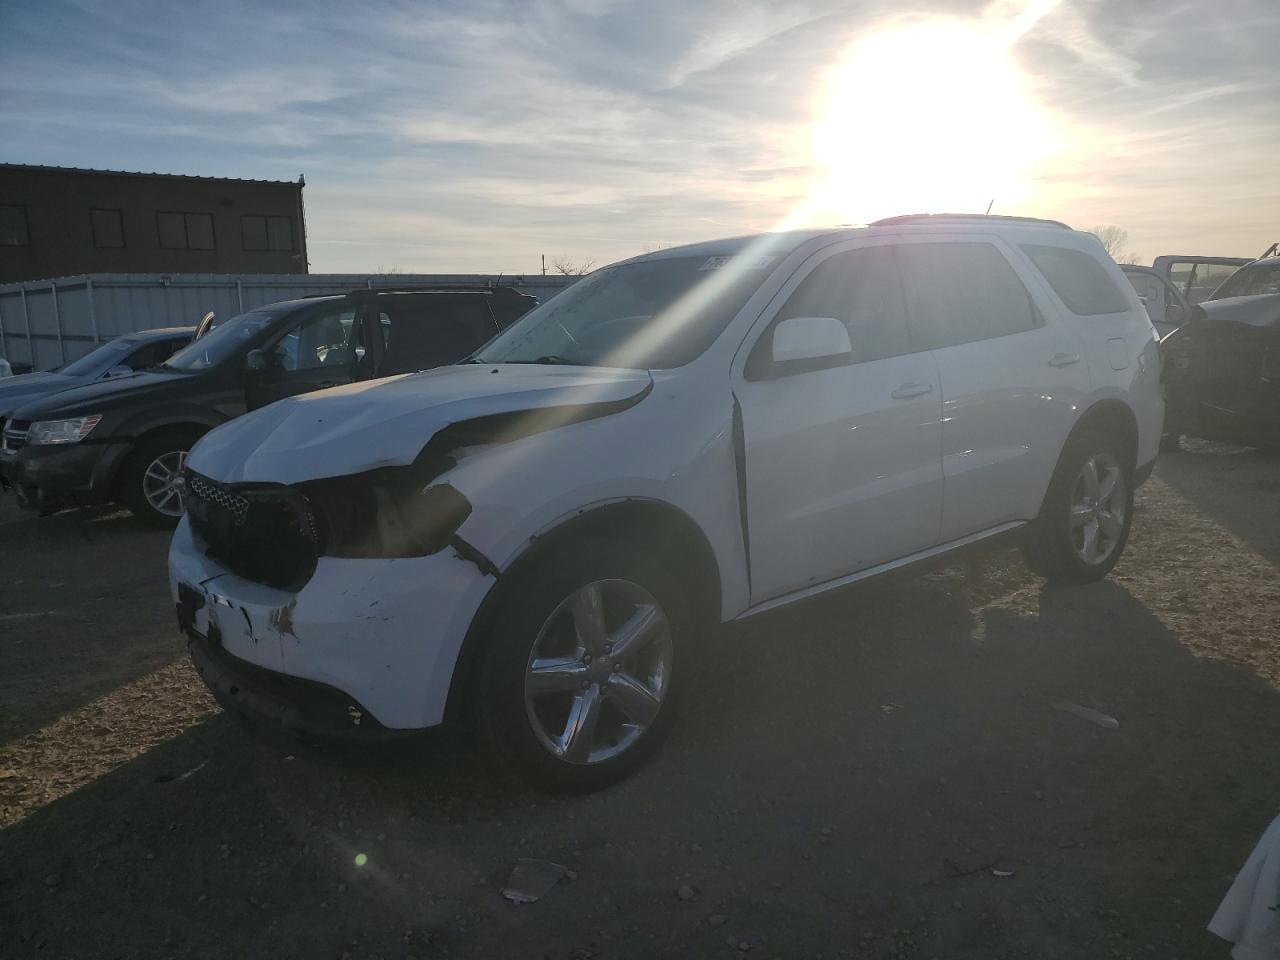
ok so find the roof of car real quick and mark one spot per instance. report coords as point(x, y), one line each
point(785, 241)
point(161, 333)
point(987, 219)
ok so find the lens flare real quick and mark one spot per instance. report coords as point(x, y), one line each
point(928, 117)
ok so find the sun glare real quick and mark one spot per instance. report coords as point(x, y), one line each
point(927, 117)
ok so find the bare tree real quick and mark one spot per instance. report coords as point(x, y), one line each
point(1115, 240)
point(569, 268)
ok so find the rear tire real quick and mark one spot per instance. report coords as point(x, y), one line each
point(588, 654)
point(1084, 524)
point(148, 483)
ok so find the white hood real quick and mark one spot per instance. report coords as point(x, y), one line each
point(381, 423)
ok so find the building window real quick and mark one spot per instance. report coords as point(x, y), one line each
point(13, 226)
point(108, 228)
point(185, 231)
point(266, 233)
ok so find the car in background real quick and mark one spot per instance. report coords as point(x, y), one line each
point(115, 358)
point(1197, 277)
point(5, 369)
point(1222, 372)
point(1166, 306)
point(125, 440)
point(543, 538)
point(1254, 279)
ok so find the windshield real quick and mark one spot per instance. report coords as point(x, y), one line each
point(1251, 281)
point(651, 314)
point(99, 361)
point(213, 348)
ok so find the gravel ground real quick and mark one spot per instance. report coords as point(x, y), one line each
point(852, 773)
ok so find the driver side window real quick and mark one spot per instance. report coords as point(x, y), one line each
point(149, 355)
point(860, 288)
point(323, 340)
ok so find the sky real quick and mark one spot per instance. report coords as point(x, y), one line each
point(478, 136)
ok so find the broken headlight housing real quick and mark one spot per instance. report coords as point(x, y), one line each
point(388, 512)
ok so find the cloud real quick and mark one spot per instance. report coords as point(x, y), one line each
point(476, 135)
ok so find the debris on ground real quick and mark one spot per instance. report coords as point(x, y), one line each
point(686, 892)
point(531, 880)
point(1085, 713)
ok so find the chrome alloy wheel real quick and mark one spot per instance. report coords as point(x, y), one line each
point(599, 670)
point(162, 483)
point(1098, 502)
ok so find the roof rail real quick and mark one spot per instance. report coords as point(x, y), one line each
point(926, 218)
point(461, 286)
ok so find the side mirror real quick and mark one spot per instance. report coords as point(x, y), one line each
point(119, 370)
point(255, 361)
point(810, 338)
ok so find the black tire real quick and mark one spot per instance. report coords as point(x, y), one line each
point(530, 607)
point(132, 492)
point(1051, 547)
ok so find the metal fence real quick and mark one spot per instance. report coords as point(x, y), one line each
point(46, 323)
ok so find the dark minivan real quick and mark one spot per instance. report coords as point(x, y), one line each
point(126, 439)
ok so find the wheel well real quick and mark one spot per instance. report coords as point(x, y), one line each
point(1110, 417)
point(1115, 419)
point(193, 430)
point(666, 531)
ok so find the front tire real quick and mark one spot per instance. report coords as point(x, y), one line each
point(151, 479)
point(588, 654)
point(1084, 524)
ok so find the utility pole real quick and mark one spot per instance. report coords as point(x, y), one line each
point(544, 264)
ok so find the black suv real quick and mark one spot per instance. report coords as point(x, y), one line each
point(126, 439)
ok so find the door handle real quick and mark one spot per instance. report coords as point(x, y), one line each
point(1064, 359)
point(909, 390)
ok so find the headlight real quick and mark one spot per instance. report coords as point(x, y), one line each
point(388, 512)
point(61, 431)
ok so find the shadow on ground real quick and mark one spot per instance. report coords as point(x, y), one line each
point(84, 609)
point(1226, 483)
point(842, 786)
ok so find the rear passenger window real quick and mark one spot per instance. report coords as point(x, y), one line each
point(861, 289)
point(429, 330)
point(962, 292)
point(1079, 280)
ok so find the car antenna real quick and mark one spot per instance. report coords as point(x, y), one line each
point(989, 206)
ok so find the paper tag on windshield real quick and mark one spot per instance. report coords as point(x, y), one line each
point(742, 263)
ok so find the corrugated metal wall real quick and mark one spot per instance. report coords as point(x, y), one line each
point(46, 323)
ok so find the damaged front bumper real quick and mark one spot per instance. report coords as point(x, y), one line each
point(375, 640)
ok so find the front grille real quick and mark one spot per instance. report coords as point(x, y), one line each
point(264, 533)
point(15, 434)
point(218, 495)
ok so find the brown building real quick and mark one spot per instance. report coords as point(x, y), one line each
point(62, 221)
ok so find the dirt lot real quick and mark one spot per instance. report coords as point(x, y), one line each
point(842, 788)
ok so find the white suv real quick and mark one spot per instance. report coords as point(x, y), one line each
point(542, 536)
